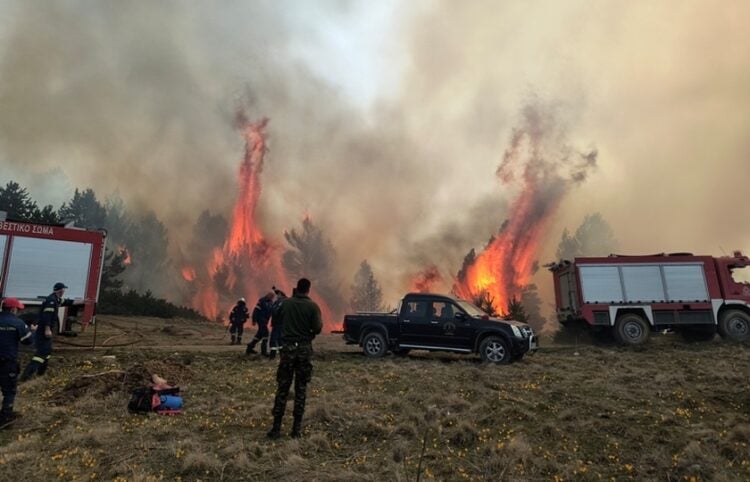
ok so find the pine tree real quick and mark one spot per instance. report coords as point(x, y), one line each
point(311, 255)
point(17, 202)
point(486, 302)
point(366, 292)
point(85, 210)
point(516, 311)
point(594, 237)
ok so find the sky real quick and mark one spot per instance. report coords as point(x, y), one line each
point(388, 119)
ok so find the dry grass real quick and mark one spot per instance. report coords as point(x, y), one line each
point(670, 411)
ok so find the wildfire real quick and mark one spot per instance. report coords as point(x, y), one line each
point(127, 259)
point(247, 264)
point(188, 273)
point(547, 169)
point(425, 280)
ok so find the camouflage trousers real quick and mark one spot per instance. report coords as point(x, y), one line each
point(294, 366)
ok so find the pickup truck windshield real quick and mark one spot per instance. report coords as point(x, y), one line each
point(471, 309)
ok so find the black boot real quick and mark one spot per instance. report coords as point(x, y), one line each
point(234, 340)
point(7, 416)
point(272, 355)
point(296, 428)
point(275, 431)
point(251, 346)
point(264, 347)
point(239, 340)
point(30, 371)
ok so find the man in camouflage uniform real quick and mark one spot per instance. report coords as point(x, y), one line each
point(301, 322)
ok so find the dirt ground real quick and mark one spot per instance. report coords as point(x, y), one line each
point(669, 411)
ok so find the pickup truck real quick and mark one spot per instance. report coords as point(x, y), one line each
point(437, 322)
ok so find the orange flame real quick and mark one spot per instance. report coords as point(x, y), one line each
point(188, 273)
point(425, 280)
point(247, 264)
point(506, 265)
point(127, 260)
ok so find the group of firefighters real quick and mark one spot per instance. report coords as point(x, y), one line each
point(295, 323)
point(267, 311)
point(14, 331)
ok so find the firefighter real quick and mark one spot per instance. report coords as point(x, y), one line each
point(237, 318)
point(48, 320)
point(302, 321)
point(276, 322)
point(261, 314)
point(12, 331)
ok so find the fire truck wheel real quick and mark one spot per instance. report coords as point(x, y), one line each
point(734, 325)
point(494, 350)
point(632, 329)
point(373, 344)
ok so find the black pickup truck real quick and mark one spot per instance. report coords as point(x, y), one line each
point(439, 323)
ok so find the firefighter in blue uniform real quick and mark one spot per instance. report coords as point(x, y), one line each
point(12, 331)
point(261, 315)
point(237, 318)
point(276, 322)
point(43, 337)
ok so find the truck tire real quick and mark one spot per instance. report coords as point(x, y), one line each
point(494, 349)
point(373, 344)
point(632, 329)
point(734, 325)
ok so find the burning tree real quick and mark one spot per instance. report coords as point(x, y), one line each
point(425, 280)
point(245, 263)
point(541, 167)
point(366, 292)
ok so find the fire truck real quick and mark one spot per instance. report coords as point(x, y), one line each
point(632, 296)
point(33, 257)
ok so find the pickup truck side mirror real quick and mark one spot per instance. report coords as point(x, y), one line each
point(460, 316)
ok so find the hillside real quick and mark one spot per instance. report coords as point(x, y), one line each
point(670, 411)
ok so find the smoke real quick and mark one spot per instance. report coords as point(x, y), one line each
point(389, 145)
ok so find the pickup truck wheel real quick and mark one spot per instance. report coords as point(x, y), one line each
point(734, 325)
point(632, 329)
point(373, 344)
point(494, 350)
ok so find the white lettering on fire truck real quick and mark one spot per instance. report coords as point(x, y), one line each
point(26, 228)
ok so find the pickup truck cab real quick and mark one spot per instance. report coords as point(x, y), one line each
point(437, 322)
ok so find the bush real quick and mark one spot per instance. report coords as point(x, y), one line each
point(132, 303)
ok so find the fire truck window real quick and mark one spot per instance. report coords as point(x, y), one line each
point(740, 275)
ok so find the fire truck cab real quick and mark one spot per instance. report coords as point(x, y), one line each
point(33, 257)
point(631, 296)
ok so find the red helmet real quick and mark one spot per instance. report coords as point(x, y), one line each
point(12, 303)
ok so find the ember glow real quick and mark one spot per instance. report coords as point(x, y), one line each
point(127, 259)
point(541, 170)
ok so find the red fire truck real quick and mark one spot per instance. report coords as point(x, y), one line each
point(33, 257)
point(631, 296)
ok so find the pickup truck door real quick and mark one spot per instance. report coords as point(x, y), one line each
point(415, 324)
point(451, 331)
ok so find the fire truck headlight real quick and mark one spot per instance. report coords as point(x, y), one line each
point(516, 331)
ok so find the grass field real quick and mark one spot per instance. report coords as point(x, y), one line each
point(670, 411)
